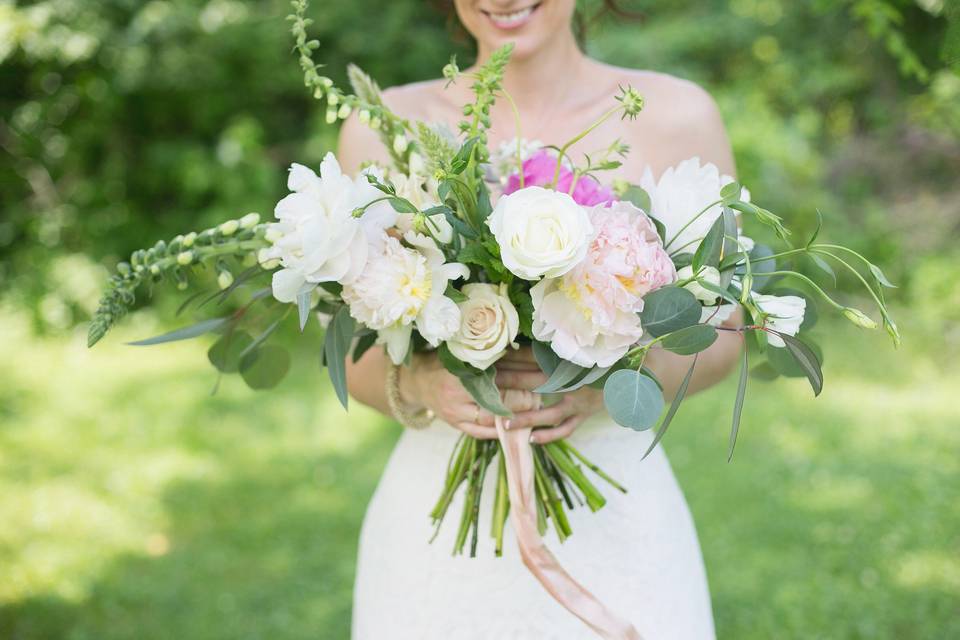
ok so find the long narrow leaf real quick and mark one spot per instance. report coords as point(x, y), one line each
point(807, 359)
point(672, 411)
point(336, 344)
point(565, 373)
point(738, 405)
point(184, 333)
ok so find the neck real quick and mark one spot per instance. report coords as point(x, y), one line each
point(530, 78)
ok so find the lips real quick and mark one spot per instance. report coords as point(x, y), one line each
point(513, 19)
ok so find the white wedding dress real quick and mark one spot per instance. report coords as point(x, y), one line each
point(639, 554)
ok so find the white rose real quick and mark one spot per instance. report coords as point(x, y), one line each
point(540, 232)
point(784, 314)
point(707, 274)
point(488, 325)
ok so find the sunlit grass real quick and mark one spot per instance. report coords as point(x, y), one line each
point(135, 505)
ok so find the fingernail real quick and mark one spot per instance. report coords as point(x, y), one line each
point(533, 440)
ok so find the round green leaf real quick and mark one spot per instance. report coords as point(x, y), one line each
point(691, 340)
point(668, 309)
point(225, 352)
point(633, 400)
point(265, 366)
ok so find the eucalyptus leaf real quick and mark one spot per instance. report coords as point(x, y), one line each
point(632, 400)
point(363, 345)
point(483, 389)
point(545, 356)
point(565, 373)
point(336, 344)
point(669, 309)
point(672, 411)
point(184, 333)
point(225, 354)
point(303, 308)
point(765, 371)
point(264, 367)
point(730, 192)
point(690, 340)
point(783, 362)
point(637, 196)
point(708, 253)
point(589, 377)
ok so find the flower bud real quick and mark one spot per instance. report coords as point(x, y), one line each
point(331, 116)
point(249, 221)
point(375, 122)
point(160, 248)
point(273, 235)
point(859, 318)
point(344, 112)
point(364, 116)
point(229, 227)
point(155, 269)
point(249, 259)
point(325, 81)
point(184, 257)
point(189, 239)
point(123, 268)
point(224, 279)
point(632, 102)
point(333, 99)
point(400, 143)
point(318, 93)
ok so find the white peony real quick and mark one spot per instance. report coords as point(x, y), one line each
point(562, 319)
point(489, 323)
point(681, 193)
point(783, 314)
point(402, 286)
point(540, 232)
point(317, 238)
point(707, 274)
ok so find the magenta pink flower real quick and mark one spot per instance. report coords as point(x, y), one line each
point(538, 171)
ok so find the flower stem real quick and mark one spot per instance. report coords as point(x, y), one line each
point(572, 141)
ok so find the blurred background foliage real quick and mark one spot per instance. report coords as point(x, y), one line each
point(124, 121)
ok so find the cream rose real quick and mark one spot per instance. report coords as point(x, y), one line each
point(540, 232)
point(488, 325)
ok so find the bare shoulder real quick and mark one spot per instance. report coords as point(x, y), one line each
point(418, 100)
point(679, 116)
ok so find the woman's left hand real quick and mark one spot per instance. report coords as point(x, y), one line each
point(563, 417)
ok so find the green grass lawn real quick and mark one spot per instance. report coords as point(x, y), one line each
point(134, 505)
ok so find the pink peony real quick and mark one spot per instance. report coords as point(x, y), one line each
point(538, 171)
point(589, 315)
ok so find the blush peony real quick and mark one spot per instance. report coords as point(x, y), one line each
point(590, 315)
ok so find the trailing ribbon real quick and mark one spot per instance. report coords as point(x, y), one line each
point(518, 456)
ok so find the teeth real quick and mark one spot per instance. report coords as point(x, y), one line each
point(512, 18)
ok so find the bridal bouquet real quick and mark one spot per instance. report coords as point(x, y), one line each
point(471, 251)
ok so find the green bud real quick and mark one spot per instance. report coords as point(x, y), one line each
point(160, 247)
point(189, 239)
point(184, 258)
point(224, 279)
point(155, 269)
point(205, 236)
point(631, 100)
point(344, 112)
point(181, 279)
point(249, 259)
point(333, 99)
point(249, 221)
point(400, 143)
point(318, 93)
point(364, 116)
point(375, 122)
point(331, 116)
point(859, 318)
point(123, 268)
point(229, 227)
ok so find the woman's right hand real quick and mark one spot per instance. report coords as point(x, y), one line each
point(426, 383)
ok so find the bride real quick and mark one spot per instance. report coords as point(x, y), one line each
point(639, 554)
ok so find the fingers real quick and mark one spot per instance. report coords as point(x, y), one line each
point(477, 431)
point(523, 355)
point(549, 416)
point(563, 430)
point(520, 379)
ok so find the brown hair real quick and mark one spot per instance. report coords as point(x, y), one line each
point(581, 22)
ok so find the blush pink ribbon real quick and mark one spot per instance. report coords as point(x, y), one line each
point(518, 456)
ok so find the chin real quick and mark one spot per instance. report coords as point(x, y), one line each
point(528, 24)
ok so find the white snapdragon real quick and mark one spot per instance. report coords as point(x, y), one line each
point(317, 238)
point(489, 324)
point(540, 232)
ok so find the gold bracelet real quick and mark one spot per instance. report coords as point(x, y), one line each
point(419, 420)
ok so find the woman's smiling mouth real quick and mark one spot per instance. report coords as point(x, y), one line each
point(512, 20)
